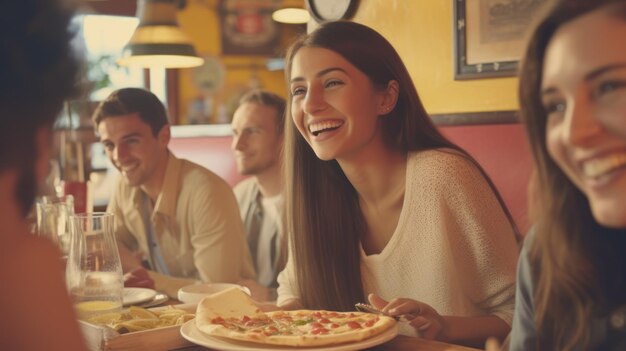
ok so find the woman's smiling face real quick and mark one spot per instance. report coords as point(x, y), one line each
point(335, 106)
point(584, 93)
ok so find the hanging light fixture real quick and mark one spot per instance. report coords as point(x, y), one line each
point(158, 41)
point(290, 11)
point(291, 15)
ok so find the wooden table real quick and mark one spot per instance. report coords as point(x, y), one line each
point(406, 343)
point(399, 343)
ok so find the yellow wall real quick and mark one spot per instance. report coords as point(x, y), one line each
point(199, 20)
point(421, 31)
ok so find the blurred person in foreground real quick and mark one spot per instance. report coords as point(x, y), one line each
point(571, 292)
point(258, 125)
point(174, 217)
point(38, 73)
point(380, 205)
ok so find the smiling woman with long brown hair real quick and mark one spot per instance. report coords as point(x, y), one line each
point(379, 204)
point(572, 273)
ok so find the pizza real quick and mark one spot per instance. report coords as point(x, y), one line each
point(232, 314)
point(300, 328)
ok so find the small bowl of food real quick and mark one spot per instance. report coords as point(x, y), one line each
point(196, 292)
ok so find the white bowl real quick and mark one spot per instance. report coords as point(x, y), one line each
point(196, 292)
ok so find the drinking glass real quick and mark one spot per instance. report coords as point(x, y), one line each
point(94, 273)
point(53, 215)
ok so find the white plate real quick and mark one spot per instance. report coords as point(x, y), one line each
point(190, 332)
point(134, 296)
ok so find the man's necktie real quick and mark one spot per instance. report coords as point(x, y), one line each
point(254, 227)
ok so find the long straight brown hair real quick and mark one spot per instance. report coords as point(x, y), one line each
point(579, 264)
point(324, 217)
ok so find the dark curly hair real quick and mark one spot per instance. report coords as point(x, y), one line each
point(38, 71)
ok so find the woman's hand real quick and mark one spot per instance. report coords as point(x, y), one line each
point(428, 323)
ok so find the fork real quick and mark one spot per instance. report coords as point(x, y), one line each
point(367, 308)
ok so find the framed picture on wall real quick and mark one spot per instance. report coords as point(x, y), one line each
point(247, 28)
point(490, 35)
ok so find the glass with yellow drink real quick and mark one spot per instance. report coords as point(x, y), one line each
point(94, 272)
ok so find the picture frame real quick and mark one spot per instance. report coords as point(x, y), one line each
point(490, 36)
point(247, 28)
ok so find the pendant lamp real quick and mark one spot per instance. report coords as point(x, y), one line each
point(291, 15)
point(158, 40)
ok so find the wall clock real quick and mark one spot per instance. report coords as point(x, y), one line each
point(331, 10)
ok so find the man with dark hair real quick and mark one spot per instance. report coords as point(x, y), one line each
point(173, 216)
point(258, 125)
point(38, 73)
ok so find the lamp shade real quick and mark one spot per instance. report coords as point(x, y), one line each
point(158, 41)
point(291, 15)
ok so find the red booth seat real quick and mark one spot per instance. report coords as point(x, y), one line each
point(208, 146)
point(501, 149)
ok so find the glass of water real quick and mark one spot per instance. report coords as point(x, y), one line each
point(53, 216)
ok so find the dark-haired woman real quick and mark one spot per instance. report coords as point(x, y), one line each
point(40, 72)
point(380, 204)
